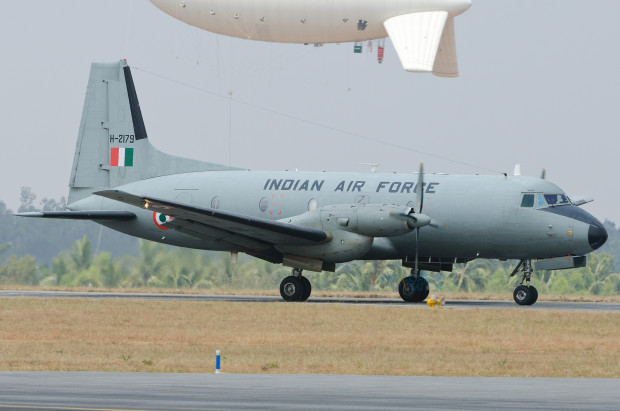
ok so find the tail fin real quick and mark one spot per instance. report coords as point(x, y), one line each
point(112, 147)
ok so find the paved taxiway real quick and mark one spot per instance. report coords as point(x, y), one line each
point(142, 391)
point(540, 305)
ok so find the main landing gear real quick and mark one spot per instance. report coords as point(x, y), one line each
point(414, 288)
point(524, 294)
point(295, 287)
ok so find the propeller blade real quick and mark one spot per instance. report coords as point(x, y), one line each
point(419, 206)
point(417, 256)
point(543, 175)
point(420, 190)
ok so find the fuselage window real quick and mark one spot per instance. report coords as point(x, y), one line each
point(312, 204)
point(263, 204)
point(528, 200)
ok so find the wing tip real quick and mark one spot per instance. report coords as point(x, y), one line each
point(36, 214)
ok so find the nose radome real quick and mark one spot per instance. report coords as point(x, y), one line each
point(597, 235)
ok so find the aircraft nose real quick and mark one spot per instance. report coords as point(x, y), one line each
point(597, 235)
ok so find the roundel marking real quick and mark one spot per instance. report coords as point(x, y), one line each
point(159, 219)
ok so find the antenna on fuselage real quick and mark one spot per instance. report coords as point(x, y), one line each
point(373, 166)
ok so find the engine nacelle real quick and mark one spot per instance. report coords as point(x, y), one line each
point(375, 220)
point(352, 228)
point(342, 247)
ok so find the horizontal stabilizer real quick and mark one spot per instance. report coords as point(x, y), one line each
point(416, 38)
point(258, 229)
point(445, 62)
point(82, 215)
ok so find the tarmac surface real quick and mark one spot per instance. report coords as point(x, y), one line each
point(540, 305)
point(144, 391)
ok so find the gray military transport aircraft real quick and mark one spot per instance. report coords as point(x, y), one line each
point(313, 220)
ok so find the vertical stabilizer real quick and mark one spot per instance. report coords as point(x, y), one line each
point(112, 147)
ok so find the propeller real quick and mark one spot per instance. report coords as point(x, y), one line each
point(419, 203)
point(543, 175)
point(415, 218)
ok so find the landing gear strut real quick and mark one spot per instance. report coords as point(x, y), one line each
point(295, 287)
point(414, 288)
point(524, 294)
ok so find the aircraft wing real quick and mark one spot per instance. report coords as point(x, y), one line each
point(82, 215)
point(250, 233)
point(424, 42)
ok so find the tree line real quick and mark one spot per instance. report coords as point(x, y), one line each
point(161, 266)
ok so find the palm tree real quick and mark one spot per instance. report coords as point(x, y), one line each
point(151, 262)
point(82, 254)
point(471, 276)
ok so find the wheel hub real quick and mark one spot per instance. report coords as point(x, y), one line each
point(289, 289)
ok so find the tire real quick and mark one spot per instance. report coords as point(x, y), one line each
point(307, 288)
point(524, 295)
point(292, 288)
point(534, 295)
point(413, 290)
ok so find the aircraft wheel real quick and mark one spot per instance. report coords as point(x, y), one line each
point(535, 294)
point(292, 288)
point(413, 290)
point(525, 295)
point(307, 288)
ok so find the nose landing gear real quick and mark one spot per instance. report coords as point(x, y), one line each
point(295, 287)
point(524, 294)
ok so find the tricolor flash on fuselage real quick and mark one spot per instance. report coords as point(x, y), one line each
point(311, 220)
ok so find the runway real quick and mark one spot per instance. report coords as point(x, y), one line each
point(142, 391)
point(460, 304)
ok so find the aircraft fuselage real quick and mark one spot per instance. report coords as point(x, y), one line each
point(472, 216)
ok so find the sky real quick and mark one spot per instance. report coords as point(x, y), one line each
point(539, 85)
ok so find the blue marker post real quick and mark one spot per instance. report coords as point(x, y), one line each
point(217, 361)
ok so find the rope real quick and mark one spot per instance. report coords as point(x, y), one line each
point(317, 124)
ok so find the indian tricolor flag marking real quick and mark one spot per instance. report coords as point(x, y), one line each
point(121, 157)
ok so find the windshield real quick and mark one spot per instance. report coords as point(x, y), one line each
point(556, 199)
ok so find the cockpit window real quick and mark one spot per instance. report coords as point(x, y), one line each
point(556, 199)
point(540, 201)
point(528, 200)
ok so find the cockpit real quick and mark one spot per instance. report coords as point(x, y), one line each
point(540, 200)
